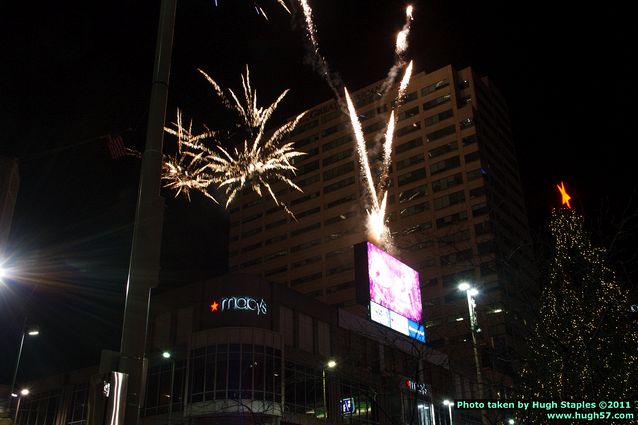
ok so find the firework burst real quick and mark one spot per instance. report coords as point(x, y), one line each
point(190, 168)
point(257, 163)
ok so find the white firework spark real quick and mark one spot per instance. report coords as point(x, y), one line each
point(377, 230)
point(256, 164)
point(189, 169)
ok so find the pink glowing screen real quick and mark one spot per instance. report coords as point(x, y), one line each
point(393, 284)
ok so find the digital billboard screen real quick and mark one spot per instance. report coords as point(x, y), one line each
point(391, 289)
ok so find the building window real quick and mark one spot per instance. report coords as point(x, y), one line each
point(439, 117)
point(305, 245)
point(411, 176)
point(408, 113)
point(451, 219)
point(414, 193)
point(306, 213)
point(338, 171)
point(442, 150)
point(452, 238)
point(287, 325)
point(278, 238)
point(338, 185)
point(337, 142)
point(469, 140)
point(305, 229)
point(305, 262)
point(446, 164)
point(474, 174)
point(437, 101)
point(248, 233)
point(447, 182)
point(340, 201)
point(434, 87)
point(447, 200)
point(438, 134)
point(251, 247)
point(307, 182)
point(305, 198)
point(408, 129)
point(414, 209)
point(410, 144)
point(276, 223)
point(482, 228)
point(305, 279)
point(275, 271)
point(404, 163)
point(456, 257)
point(307, 168)
point(479, 209)
point(339, 218)
point(337, 157)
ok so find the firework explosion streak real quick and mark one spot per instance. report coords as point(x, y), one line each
point(257, 164)
point(377, 230)
point(189, 169)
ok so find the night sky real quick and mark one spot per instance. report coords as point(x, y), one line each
point(73, 73)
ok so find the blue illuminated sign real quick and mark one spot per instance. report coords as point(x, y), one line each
point(347, 406)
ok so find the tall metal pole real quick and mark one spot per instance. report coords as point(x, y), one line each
point(170, 406)
point(15, 371)
point(325, 404)
point(147, 233)
point(473, 327)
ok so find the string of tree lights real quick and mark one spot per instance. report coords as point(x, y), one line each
point(584, 345)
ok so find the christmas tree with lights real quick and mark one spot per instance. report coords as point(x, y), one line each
point(584, 345)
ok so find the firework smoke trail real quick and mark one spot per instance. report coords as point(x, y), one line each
point(319, 62)
point(400, 48)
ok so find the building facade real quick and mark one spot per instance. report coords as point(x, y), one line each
point(455, 210)
point(245, 351)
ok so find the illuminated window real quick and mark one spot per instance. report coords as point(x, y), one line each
point(434, 87)
point(437, 101)
point(447, 200)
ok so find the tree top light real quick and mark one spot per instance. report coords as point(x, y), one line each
point(563, 193)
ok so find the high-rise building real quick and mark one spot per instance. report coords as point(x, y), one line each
point(455, 209)
point(9, 184)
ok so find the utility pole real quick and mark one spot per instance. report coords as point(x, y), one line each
point(147, 233)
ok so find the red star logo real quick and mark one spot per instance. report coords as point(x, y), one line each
point(213, 306)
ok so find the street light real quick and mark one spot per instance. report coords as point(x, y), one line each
point(23, 393)
point(32, 330)
point(330, 365)
point(449, 405)
point(167, 355)
point(511, 421)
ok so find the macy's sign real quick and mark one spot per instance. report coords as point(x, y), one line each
point(239, 303)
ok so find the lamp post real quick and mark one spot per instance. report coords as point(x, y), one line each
point(471, 293)
point(167, 355)
point(26, 330)
point(23, 393)
point(449, 405)
point(330, 365)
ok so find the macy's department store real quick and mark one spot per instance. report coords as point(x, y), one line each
point(245, 351)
